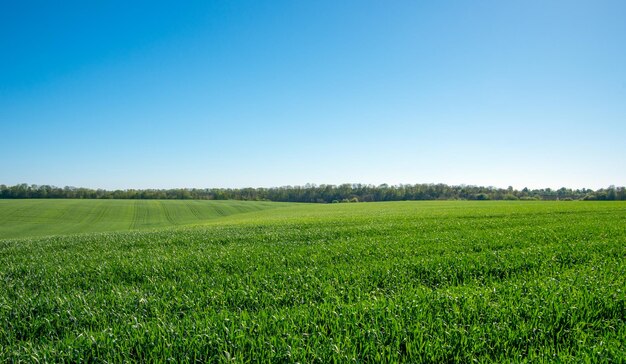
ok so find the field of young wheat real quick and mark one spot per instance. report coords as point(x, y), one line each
point(369, 282)
point(28, 218)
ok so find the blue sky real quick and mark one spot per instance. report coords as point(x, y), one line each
point(270, 93)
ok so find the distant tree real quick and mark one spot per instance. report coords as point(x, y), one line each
point(510, 197)
point(611, 194)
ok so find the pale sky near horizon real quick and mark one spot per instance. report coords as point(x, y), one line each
point(158, 94)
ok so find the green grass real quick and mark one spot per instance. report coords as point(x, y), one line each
point(24, 218)
point(377, 282)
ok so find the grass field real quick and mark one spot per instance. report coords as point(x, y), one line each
point(24, 218)
point(370, 282)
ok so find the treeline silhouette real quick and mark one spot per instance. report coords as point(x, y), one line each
point(320, 193)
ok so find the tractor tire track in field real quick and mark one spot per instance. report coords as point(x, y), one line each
point(194, 211)
point(135, 208)
point(66, 211)
point(220, 211)
point(95, 214)
point(86, 216)
point(167, 213)
point(102, 211)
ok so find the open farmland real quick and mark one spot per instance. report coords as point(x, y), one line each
point(27, 218)
point(370, 282)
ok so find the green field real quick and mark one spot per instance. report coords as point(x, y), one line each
point(26, 218)
point(365, 282)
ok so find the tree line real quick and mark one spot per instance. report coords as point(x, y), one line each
point(320, 193)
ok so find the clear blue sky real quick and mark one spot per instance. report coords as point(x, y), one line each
point(119, 94)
